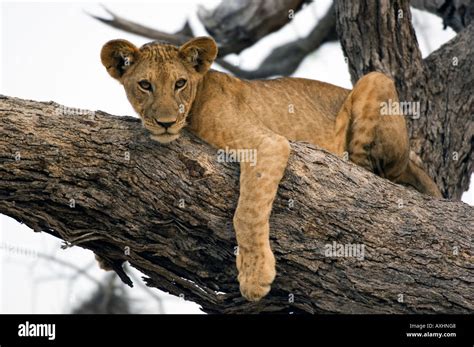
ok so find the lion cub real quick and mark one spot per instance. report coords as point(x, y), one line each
point(171, 87)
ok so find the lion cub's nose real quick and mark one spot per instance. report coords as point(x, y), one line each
point(165, 125)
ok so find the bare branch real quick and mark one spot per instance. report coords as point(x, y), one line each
point(78, 270)
point(285, 59)
point(109, 298)
point(240, 24)
point(135, 28)
point(457, 14)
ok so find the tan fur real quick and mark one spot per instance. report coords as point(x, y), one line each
point(264, 115)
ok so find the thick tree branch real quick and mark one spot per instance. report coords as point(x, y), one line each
point(167, 209)
point(378, 36)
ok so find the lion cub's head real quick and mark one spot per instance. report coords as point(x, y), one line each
point(160, 80)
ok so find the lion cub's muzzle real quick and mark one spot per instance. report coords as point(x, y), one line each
point(164, 131)
point(165, 125)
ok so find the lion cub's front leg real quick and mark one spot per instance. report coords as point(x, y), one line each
point(258, 187)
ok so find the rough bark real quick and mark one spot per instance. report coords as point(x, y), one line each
point(378, 36)
point(167, 209)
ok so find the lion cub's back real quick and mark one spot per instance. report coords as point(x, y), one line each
point(297, 108)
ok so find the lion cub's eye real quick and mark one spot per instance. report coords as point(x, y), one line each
point(180, 83)
point(144, 84)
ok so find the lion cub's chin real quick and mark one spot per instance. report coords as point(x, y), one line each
point(164, 138)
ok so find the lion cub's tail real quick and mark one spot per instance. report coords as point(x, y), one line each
point(416, 177)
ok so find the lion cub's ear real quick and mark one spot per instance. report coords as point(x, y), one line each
point(117, 56)
point(199, 53)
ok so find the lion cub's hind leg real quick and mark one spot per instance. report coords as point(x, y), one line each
point(376, 142)
point(416, 177)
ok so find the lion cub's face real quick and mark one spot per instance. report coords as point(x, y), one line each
point(160, 80)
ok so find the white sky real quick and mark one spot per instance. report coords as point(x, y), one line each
point(50, 51)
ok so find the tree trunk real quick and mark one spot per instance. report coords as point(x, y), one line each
point(378, 36)
point(98, 181)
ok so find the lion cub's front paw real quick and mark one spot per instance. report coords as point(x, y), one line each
point(256, 273)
